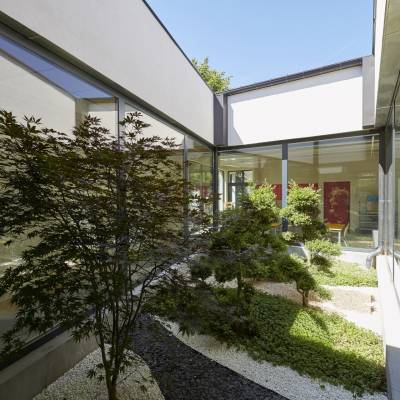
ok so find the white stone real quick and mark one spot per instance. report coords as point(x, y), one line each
point(136, 383)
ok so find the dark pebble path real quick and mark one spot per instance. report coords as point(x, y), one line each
point(184, 374)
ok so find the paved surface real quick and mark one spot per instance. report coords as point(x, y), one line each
point(184, 374)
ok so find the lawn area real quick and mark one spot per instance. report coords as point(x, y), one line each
point(346, 274)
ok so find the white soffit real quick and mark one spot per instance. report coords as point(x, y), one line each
point(389, 61)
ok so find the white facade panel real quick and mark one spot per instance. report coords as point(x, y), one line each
point(320, 105)
point(122, 40)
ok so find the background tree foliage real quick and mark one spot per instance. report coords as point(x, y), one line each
point(107, 218)
point(217, 80)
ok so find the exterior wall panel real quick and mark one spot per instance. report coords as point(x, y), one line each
point(324, 104)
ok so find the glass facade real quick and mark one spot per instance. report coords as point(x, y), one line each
point(396, 189)
point(345, 170)
point(239, 169)
point(194, 156)
point(30, 85)
point(199, 162)
point(162, 130)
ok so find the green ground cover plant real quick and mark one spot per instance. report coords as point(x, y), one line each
point(345, 274)
point(320, 345)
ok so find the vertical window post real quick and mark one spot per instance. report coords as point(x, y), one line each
point(285, 151)
point(215, 188)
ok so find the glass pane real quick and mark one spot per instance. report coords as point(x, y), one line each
point(200, 169)
point(33, 86)
point(396, 244)
point(346, 172)
point(164, 131)
point(240, 168)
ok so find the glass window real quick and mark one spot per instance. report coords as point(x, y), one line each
point(33, 86)
point(200, 158)
point(346, 172)
point(396, 244)
point(239, 169)
point(162, 130)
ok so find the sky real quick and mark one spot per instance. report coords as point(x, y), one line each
point(256, 40)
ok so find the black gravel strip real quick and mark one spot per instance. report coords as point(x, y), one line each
point(184, 374)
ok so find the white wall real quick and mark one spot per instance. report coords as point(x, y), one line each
point(122, 40)
point(320, 105)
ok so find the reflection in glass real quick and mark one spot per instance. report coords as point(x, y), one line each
point(346, 172)
point(396, 242)
point(239, 169)
point(199, 158)
point(31, 85)
point(162, 130)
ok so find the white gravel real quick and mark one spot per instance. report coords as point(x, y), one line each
point(282, 380)
point(135, 384)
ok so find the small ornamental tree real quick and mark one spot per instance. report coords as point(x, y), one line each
point(245, 244)
point(107, 219)
point(307, 229)
point(242, 248)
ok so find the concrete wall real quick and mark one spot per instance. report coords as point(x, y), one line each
point(28, 376)
point(319, 105)
point(124, 42)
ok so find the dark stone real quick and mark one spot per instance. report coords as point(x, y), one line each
point(183, 373)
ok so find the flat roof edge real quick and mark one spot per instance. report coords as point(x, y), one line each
point(297, 76)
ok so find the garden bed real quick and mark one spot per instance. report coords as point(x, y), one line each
point(282, 380)
point(320, 345)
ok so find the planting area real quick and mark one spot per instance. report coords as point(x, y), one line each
point(320, 341)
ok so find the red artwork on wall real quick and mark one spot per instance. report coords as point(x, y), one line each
point(337, 202)
point(277, 189)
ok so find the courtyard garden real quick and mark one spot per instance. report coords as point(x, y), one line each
point(234, 309)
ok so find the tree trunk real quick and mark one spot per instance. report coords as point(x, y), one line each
point(112, 392)
point(305, 298)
